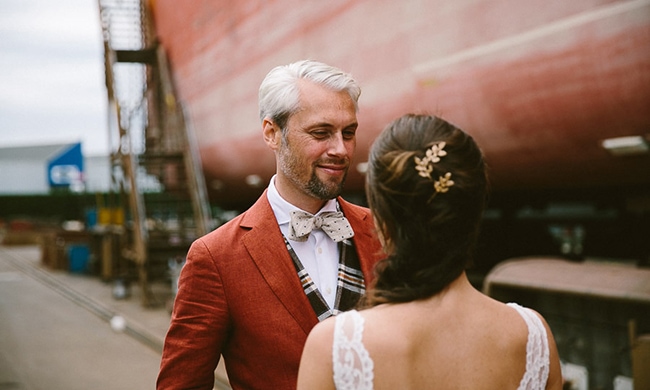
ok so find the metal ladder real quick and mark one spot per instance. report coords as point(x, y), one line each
point(155, 168)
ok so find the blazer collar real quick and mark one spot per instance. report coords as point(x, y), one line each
point(266, 247)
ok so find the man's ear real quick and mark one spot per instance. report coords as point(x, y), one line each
point(272, 133)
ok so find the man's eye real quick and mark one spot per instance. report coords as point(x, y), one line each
point(320, 134)
point(349, 134)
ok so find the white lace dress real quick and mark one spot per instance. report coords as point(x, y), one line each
point(353, 366)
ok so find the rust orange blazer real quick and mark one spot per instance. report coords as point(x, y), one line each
point(239, 296)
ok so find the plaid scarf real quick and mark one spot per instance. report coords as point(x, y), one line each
point(350, 286)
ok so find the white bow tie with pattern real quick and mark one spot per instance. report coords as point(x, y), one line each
point(334, 224)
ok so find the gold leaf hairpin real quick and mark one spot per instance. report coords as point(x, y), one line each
point(424, 166)
point(444, 182)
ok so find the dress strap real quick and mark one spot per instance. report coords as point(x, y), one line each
point(352, 365)
point(537, 351)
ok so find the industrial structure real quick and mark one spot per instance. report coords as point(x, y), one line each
point(149, 138)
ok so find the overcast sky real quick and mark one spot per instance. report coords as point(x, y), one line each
point(51, 74)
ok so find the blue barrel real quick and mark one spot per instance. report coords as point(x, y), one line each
point(78, 256)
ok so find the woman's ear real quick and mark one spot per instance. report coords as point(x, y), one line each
point(272, 133)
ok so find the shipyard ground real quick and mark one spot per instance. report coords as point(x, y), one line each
point(60, 330)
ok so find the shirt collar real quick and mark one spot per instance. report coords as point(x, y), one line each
point(282, 208)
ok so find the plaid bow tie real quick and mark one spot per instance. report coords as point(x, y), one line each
point(334, 224)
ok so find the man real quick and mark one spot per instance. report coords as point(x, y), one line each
point(254, 288)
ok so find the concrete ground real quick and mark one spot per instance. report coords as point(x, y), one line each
point(61, 330)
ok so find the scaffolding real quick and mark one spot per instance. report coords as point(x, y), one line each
point(157, 180)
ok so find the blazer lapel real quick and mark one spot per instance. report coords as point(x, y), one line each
point(266, 247)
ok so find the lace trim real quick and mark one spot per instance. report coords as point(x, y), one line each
point(353, 367)
point(537, 352)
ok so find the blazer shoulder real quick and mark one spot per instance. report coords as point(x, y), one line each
point(227, 229)
point(259, 220)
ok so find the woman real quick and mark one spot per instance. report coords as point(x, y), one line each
point(422, 324)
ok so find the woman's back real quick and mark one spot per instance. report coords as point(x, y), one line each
point(459, 339)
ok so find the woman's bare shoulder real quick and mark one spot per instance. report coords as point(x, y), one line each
point(322, 334)
point(315, 371)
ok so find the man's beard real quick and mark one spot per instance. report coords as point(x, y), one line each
point(318, 189)
point(315, 187)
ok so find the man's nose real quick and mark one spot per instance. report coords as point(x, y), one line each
point(337, 145)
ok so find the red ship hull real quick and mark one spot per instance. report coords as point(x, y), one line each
point(539, 84)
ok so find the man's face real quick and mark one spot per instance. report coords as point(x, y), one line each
point(315, 152)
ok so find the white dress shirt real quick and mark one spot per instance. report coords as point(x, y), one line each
point(319, 254)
